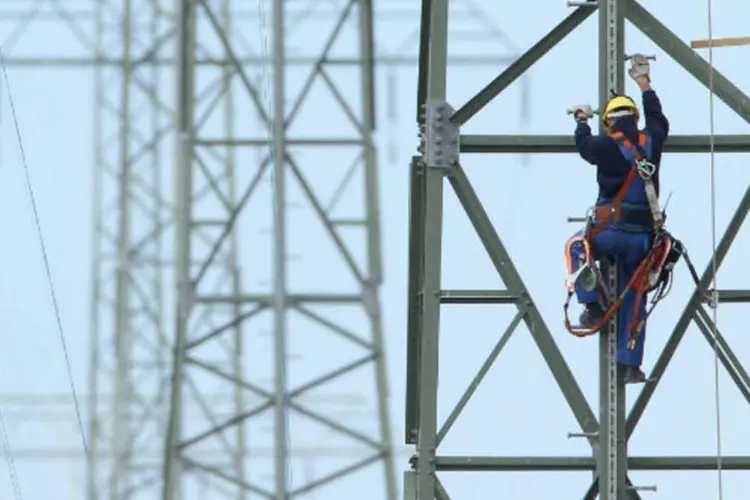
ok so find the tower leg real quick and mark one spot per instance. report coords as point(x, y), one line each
point(612, 459)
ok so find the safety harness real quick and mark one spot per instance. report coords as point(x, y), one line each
point(611, 214)
point(655, 270)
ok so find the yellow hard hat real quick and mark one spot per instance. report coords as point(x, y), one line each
point(620, 103)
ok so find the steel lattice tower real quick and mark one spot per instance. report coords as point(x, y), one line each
point(136, 238)
point(131, 348)
point(227, 94)
point(121, 43)
point(224, 162)
point(444, 150)
point(130, 48)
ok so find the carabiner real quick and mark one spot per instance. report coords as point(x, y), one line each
point(646, 169)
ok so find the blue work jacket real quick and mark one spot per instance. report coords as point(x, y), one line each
point(612, 167)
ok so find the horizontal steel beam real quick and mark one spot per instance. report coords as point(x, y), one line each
point(733, 296)
point(292, 299)
point(405, 61)
point(475, 143)
point(478, 297)
point(311, 142)
point(561, 464)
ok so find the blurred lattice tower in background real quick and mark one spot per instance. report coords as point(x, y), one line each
point(129, 47)
point(223, 375)
point(311, 283)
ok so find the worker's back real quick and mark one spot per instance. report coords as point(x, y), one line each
point(613, 167)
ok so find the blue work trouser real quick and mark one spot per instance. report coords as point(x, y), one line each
point(629, 249)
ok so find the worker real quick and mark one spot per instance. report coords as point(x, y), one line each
point(624, 235)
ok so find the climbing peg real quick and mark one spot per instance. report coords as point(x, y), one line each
point(642, 488)
point(572, 435)
point(571, 111)
point(650, 58)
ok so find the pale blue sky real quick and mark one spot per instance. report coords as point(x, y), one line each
point(518, 410)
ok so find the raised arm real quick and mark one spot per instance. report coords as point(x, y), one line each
point(589, 146)
point(657, 124)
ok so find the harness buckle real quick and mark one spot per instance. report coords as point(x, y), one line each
point(646, 169)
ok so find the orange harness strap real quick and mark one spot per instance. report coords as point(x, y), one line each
point(609, 214)
point(639, 281)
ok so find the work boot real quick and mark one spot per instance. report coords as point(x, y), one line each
point(634, 375)
point(591, 316)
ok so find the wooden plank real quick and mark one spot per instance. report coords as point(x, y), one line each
point(720, 42)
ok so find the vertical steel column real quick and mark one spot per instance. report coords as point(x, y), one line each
point(233, 258)
point(186, 27)
point(432, 261)
point(97, 264)
point(372, 285)
point(123, 320)
point(612, 460)
point(280, 255)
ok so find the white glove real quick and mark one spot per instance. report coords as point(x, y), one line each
point(581, 112)
point(639, 67)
